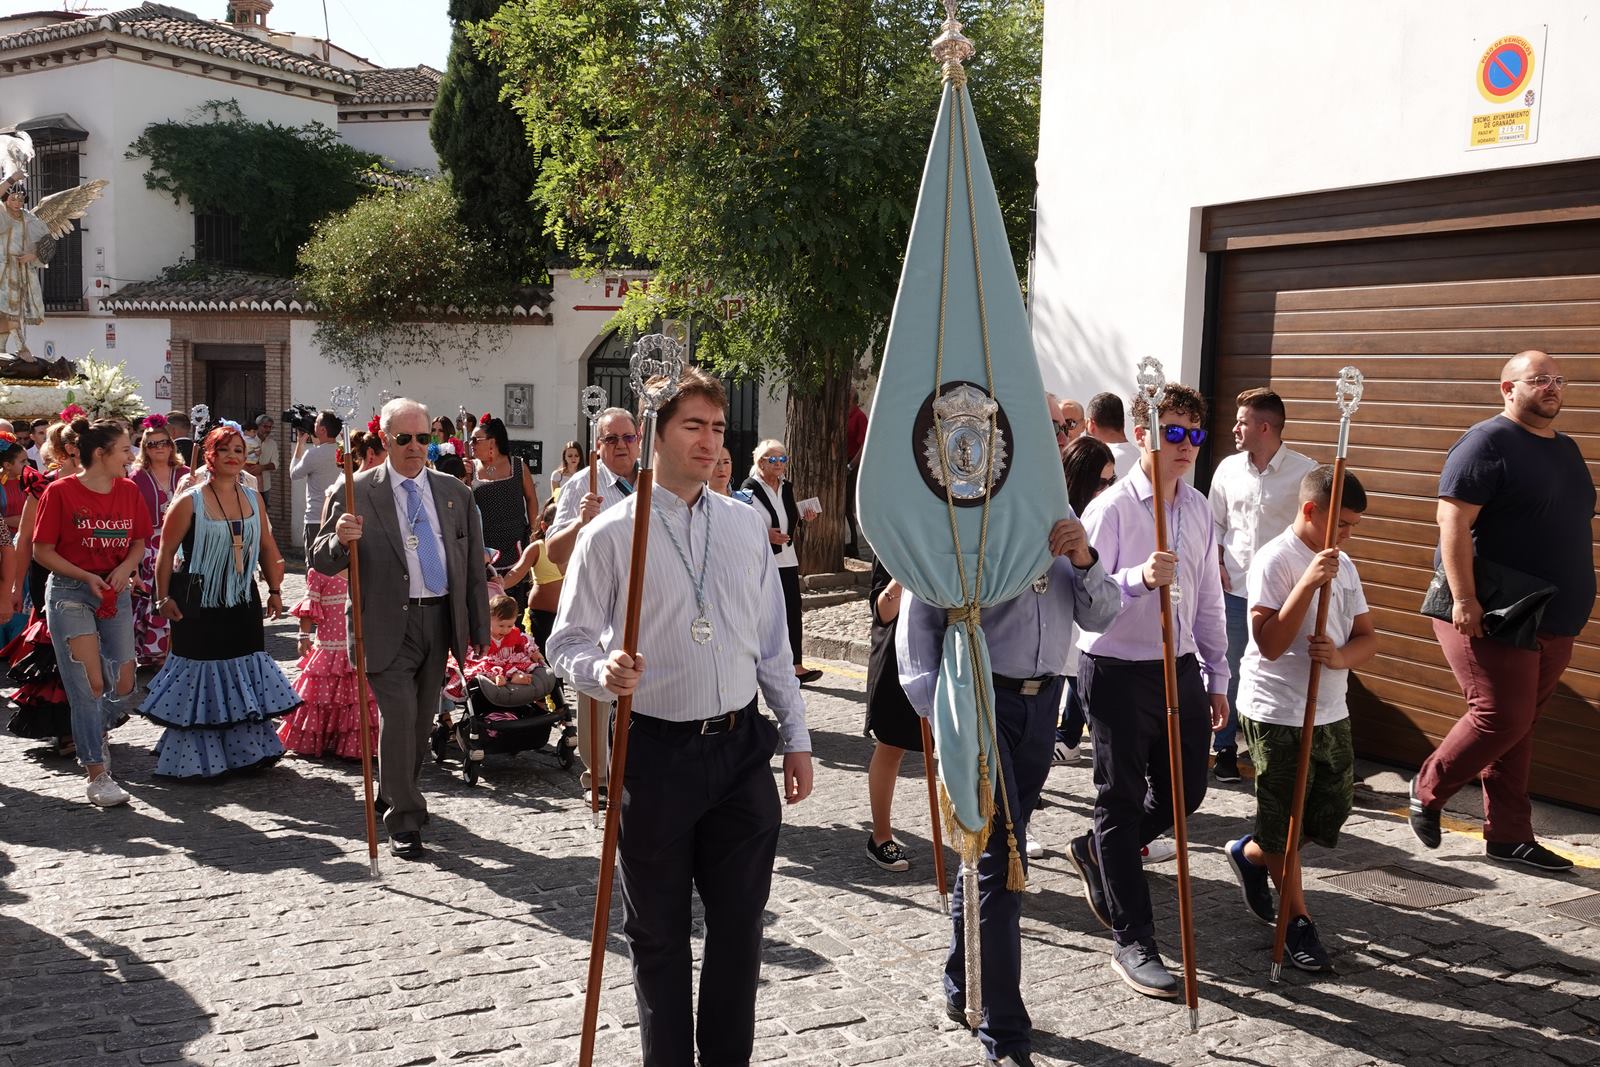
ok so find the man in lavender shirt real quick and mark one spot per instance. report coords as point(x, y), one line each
point(1120, 676)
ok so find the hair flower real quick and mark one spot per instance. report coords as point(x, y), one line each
point(373, 425)
point(71, 412)
point(485, 417)
point(433, 453)
point(154, 422)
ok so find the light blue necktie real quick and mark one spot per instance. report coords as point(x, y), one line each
point(433, 573)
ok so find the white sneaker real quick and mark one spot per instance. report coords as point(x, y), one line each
point(1160, 850)
point(1034, 847)
point(1064, 754)
point(105, 793)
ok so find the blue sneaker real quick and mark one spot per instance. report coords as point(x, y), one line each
point(1254, 884)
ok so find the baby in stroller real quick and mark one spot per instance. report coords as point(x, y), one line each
point(503, 696)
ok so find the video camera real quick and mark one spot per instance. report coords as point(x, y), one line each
point(301, 418)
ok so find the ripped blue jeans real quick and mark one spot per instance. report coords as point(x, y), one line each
point(69, 611)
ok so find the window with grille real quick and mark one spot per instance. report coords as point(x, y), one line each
point(216, 238)
point(55, 167)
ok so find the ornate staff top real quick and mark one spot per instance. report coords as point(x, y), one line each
point(200, 416)
point(593, 399)
point(342, 402)
point(1347, 392)
point(950, 48)
point(1151, 381)
point(653, 370)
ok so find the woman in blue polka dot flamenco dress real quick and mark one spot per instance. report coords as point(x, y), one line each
point(219, 691)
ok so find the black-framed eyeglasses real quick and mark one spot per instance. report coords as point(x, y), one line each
point(1546, 381)
point(403, 439)
point(1174, 434)
point(612, 440)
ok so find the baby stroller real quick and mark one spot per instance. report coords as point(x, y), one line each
point(480, 728)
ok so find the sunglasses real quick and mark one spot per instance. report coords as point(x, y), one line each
point(403, 439)
point(612, 440)
point(158, 444)
point(775, 460)
point(1175, 434)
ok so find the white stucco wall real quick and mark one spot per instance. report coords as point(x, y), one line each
point(134, 232)
point(403, 142)
point(1145, 120)
point(141, 343)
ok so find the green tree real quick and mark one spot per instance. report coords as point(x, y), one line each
point(386, 273)
point(763, 149)
point(278, 181)
point(481, 145)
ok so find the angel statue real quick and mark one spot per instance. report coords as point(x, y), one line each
point(27, 244)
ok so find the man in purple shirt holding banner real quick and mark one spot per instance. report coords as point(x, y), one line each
point(1120, 676)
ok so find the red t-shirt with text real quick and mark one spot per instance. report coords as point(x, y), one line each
point(92, 530)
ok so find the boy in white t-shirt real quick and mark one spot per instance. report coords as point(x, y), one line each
point(1283, 585)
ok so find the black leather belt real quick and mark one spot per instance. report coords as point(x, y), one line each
point(1026, 686)
point(426, 601)
point(720, 724)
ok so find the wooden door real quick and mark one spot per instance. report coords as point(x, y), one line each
point(236, 390)
point(1429, 319)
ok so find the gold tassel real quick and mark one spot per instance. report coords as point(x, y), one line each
point(1016, 878)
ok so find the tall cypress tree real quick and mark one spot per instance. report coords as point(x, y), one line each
point(483, 146)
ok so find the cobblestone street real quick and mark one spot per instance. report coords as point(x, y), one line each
point(234, 923)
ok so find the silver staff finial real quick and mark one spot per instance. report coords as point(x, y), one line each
point(1347, 393)
point(200, 416)
point(656, 358)
point(594, 399)
point(342, 401)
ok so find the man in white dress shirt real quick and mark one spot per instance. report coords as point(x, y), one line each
point(700, 808)
point(1105, 421)
point(1254, 496)
point(576, 507)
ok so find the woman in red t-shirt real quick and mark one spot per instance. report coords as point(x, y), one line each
point(90, 536)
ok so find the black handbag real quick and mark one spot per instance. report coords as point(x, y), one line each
point(186, 589)
point(1513, 602)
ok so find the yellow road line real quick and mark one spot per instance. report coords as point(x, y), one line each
point(1473, 830)
point(859, 676)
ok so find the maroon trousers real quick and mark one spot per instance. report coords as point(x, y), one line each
point(1506, 689)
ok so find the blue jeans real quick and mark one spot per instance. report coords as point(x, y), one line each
point(1238, 611)
point(69, 610)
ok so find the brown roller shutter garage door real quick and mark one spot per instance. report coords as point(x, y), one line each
point(1425, 290)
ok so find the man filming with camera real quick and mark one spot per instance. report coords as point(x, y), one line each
point(315, 459)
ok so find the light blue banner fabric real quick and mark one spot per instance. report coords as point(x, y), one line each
point(902, 484)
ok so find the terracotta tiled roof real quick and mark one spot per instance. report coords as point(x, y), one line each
point(398, 85)
point(236, 291)
point(161, 24)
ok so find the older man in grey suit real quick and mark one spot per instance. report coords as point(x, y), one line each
point(423, 595)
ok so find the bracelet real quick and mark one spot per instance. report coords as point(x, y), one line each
point(274, 592)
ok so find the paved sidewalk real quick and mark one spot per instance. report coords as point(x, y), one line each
point(234, 924)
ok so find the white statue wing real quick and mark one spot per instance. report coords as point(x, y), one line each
point(16, 152)
point(58, 210)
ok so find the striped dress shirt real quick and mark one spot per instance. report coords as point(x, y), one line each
point(682, 681)
point(613, 490)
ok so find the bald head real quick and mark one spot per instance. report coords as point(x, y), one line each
point(1523, 364)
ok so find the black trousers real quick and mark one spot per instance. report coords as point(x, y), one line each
point(790, 577)
point(1125, 702)
point(698, 811)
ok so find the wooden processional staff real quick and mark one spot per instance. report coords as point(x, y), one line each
point(656, 365)
point(1152, 384)
point(594, 400)
point(343, 402)
point(1347, 394)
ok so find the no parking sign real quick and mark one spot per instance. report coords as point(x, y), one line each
point(1509, 77)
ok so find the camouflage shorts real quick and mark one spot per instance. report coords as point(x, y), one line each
point(1275, 751)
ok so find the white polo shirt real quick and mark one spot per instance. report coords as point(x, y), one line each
point(1275, 690)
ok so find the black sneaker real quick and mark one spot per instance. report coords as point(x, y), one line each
point(1225, 765)
point(1424, 822)
point(889, 855)
point(1081, 853)
point(1530, 852)
point(1140, 966)
point(1254, 884)
point(1305, 947)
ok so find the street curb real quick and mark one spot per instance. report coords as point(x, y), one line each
point(836, 648)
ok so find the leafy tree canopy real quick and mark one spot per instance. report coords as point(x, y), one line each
point(279, 181)
point(767, 149)
point(481, 145)
point(386, 271)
